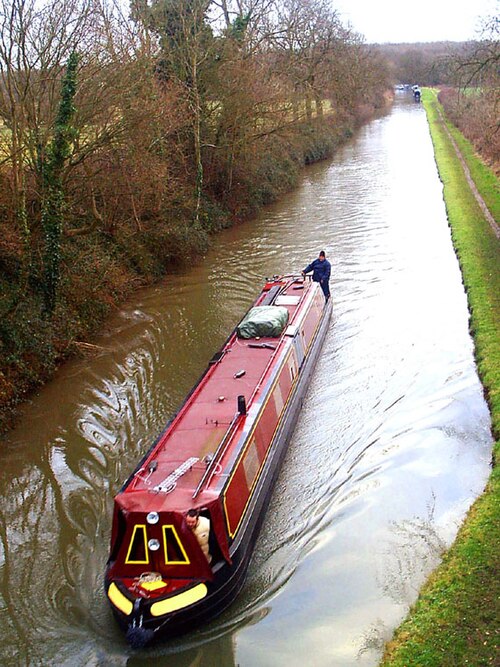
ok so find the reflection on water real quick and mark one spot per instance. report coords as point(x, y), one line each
point(415, 549)
point(392, 444)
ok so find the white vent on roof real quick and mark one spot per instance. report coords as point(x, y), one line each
point(284, 300)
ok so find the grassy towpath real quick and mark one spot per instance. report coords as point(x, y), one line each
point(455, 620)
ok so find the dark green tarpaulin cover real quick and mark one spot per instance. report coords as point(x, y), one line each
point(263, 321)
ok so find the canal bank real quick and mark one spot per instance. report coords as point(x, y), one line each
point(455, 619)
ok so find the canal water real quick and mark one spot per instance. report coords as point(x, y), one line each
point(391, 447)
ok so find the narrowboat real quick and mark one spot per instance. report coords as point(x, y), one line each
point(216, 459)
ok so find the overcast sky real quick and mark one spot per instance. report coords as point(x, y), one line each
point(415, 20)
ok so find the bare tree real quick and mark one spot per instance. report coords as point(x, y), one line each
point(316, 53)
point(473, 103)
point(480, 64)
point(186, 43)
point(35, 43)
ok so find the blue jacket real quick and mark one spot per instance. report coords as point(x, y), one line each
point(321, 270)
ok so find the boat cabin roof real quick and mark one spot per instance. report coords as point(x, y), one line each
point(176, 464)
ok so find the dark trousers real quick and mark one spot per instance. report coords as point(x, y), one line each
point(325, 286)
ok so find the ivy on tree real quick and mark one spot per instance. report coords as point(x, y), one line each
point(52, 166)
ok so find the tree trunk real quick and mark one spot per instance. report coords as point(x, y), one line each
point(197, 142)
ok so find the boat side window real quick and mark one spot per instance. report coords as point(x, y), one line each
point(174, 551)
point(137, 551)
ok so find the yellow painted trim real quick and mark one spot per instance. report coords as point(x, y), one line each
point(179, 601)
point(145, 537)
point(119, 600)
point(186, 560)
point(249, 439)
point(153, 585)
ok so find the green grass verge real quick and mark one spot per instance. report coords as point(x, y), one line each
point(455, 619)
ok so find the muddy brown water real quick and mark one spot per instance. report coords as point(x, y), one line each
point(391, 447)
